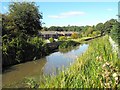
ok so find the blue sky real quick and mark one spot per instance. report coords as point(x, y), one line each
point(74, 13)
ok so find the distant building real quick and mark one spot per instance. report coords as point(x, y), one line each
point(48, 34)
point(54, 34)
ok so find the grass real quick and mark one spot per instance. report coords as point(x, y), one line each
point(85, 39)
point(98, 67)
point(82, 40)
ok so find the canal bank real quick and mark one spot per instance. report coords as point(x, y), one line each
point(47, 65)
point(94, 69)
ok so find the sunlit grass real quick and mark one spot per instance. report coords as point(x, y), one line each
point(98, 67)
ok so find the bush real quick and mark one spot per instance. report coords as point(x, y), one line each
point(51, 39)
point(68, 44)
point(13, 51)
point(94, 33)
point(74, 36)
point(89, 35)
point(38, 42)
point(20, 50)
point(62, 38)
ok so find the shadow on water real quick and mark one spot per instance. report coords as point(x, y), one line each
point(8, 69)
point(19, 72)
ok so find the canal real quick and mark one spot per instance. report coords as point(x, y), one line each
point(47, 65)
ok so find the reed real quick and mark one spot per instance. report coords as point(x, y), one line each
point(98, 67)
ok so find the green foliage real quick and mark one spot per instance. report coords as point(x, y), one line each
point(97, 68)
point(68, 44)
point(100, 27)
point(109, 25)
point(94, 33)
point(37, 41)
point(74, 36)
point(31, 83)
point(13, 50)
point(8, 26)
point(20, 26)
point(20, 50)
point(89, 31)
point(51, 39)
point(84, 31)
point(64, 28)
point(62, 38)
point(115, 33)
point(26, 17)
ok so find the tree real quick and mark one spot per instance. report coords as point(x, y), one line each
point(45, 29)
point(100, 27)
point(8, 26)
point(89, 30)
point(108, 25)
point(52, 28)
point(4, 24)
point(0, 24)
point(26, 17)
point(115, 32)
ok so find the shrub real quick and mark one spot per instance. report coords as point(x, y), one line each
point(51, 39)
point(90, 35)
point(68, 44)
point(38, 42)
point(20, 50)
point(13, 51)
point(74, 35)
point(62, 38)
point(94, 33)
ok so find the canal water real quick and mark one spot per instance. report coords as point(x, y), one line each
point(47, 65)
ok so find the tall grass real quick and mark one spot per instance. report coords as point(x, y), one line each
point(98, 67)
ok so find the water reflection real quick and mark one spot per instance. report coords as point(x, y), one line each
point(46, 65)
point(59, 59)
point(68, 49)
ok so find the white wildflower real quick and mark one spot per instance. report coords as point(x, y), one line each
point(107, 64)
point(103, 65)
point(116, 78)
point(114, 75)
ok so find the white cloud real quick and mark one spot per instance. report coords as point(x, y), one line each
point(109, 9)
point(67, 14)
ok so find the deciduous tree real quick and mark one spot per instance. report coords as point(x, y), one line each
point(26, 17)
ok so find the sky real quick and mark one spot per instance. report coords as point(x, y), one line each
point(73, 13)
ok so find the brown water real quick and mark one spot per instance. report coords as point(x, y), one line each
point(46, 65)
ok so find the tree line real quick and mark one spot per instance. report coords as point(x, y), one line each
point(21, 27)
point(100, 28)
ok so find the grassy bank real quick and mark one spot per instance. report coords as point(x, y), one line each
point(85, 39)
point(97, 67)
